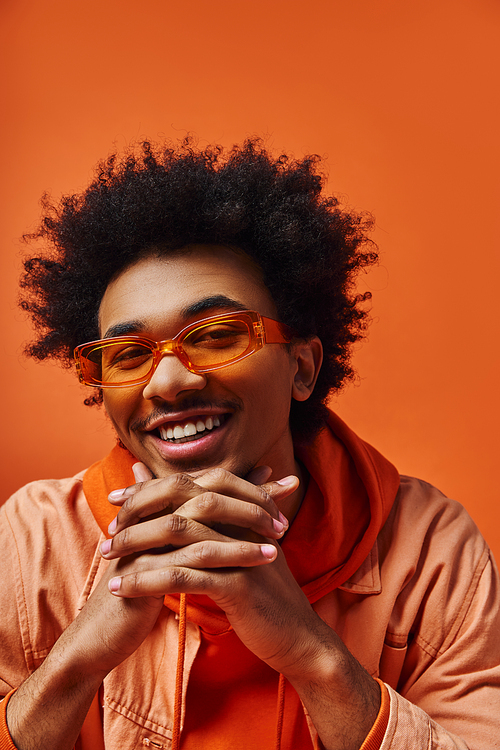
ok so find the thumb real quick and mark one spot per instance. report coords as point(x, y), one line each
point(277, 489)
point(282, 487)
point(141, 472)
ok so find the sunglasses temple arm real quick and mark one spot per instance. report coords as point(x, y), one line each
point(275, 332)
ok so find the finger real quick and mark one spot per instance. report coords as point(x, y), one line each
point(153, 498)
point(141, 472)
point(223, 482)
point(259, 475)
point(203, 517)
point(194, 571)
point(282, 488)
point(118, 496)
point(162, 496)
point(161, 535)
point(213, 510)
point(223, 479)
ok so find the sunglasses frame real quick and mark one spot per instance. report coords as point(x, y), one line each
point(262, 331)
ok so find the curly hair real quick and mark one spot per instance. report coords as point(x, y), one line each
point(163, 198)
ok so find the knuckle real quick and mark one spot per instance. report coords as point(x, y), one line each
point(218, 474)
point(128, 510)
point(181, 482)
point(208, 501)
point(244, 549)
point(202, 552)
point(257, 513)
point(133, 582)
point(122, 540)
point(264, 498)
point(175, 578)
point(174, 524)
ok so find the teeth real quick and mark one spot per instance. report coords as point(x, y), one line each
point(189, 429)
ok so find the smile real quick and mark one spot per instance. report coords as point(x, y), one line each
point(191, 430)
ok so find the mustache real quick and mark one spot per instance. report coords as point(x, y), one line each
point(191, 404)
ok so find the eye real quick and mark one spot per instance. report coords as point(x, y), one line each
point(217, 336)
point(125, 356)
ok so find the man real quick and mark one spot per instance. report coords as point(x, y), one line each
point(241, 570)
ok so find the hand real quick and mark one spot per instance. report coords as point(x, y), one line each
point(226, 528)
point(214, 534)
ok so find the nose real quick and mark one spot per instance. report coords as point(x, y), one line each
point(171, 379)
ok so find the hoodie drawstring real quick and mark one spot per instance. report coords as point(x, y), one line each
point(280, 712)
point(179, 675)
point(179, 679)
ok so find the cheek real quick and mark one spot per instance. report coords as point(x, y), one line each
point(119, 405)
point(268, 388)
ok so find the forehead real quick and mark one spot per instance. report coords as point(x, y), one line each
point(159, 293)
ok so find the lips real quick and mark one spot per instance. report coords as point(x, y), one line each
point(188, 430)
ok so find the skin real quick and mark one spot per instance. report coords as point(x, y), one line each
point(218, 505)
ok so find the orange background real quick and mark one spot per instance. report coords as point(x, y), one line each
point(402, 99)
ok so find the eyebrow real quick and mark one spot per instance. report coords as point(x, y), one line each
point(205, 305)
point(218, 301)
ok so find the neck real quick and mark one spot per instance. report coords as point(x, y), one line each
point(290, 505)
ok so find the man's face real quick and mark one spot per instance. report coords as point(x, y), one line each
point(248, 403)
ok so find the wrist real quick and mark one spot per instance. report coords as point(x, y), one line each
point(342, 699)
point(49, 708)
point(318, 656)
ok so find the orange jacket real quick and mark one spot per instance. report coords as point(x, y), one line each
point(415, 598)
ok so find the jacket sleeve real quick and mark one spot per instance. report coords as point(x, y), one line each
point(5, 738)
point(410, 728)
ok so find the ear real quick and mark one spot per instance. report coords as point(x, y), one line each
point(308, 356)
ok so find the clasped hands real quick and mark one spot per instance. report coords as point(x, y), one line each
point(216, 535)
point(217, 521)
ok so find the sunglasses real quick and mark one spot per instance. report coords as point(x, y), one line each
point(203, 346)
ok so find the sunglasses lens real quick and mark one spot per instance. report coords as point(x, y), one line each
point(217, 343)
point(117, 362)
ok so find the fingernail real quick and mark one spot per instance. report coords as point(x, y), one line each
point(114, 585)
point(116, 493)
point(105, 547)
point(112, 526)
point(287, 480)
point(269, 551)
point(283, 519)
point(278, 526)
